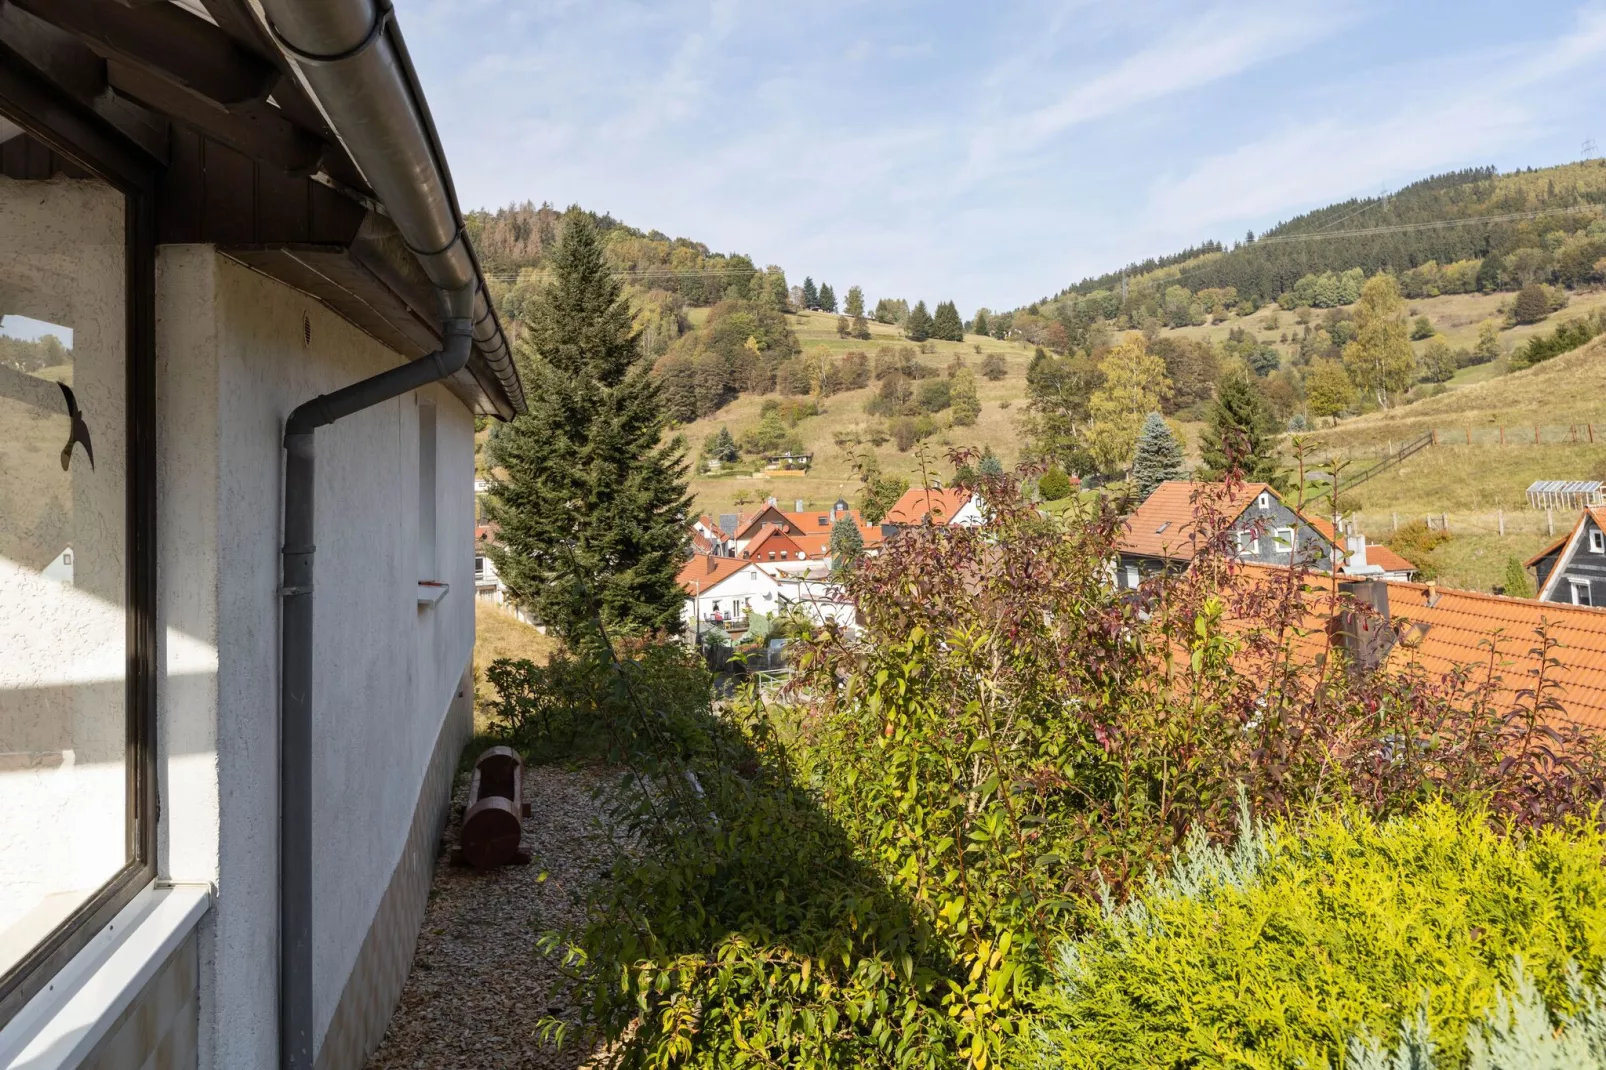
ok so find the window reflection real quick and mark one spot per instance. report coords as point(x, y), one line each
point(64, 828)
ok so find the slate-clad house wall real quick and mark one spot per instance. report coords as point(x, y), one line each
point(1267, 531)
point(1573, 571)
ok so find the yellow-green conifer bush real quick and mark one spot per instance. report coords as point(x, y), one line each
point(1328, 945)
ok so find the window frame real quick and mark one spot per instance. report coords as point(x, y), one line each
point(1597, 542)
point(1574, 585)
point(1279, 545)
point(74, 132)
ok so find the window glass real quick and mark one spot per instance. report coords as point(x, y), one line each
point(64, 780)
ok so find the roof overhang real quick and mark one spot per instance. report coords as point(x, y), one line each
point(250, 161)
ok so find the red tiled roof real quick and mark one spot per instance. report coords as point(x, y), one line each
point(1386, 559)
point(704, 571)
point(772, 539)
point(1469, 628)
point(1461, 626)
point(1163, 525)
point(917, 502)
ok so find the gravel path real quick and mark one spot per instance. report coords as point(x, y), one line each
point(479, 984)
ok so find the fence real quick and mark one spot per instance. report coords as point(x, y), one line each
point(1517, 523)
point(1580, 434)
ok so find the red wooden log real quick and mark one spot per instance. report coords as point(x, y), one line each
point(494, 820)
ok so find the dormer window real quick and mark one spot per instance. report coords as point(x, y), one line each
point(1597, 542)
point(1264, 501)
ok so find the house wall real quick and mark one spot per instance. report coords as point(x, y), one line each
point(750, 584)
point(1578, 562)
point(1310, 548)
point(234, 359)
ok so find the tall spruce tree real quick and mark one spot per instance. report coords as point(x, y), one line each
point(593, 505)
point(918, 326)
point(827, 298)
point(811, 296)
point(1239, 434)
point(980, 325)
point(946, 324)
point(1158, 457)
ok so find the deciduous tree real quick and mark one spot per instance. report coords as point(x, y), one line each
point(1380, 358)
point(854, 308)
point(1135, 384)
point(1328, 391)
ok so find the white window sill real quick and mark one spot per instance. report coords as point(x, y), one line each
point(64, 1022)
point(430, 593)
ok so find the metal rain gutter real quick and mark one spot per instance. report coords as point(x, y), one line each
point(351, 57)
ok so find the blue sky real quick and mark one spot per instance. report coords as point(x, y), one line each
point(990, 153)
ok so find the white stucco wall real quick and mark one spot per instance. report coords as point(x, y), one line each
point(233, 363)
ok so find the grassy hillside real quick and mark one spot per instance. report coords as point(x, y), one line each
point(1471, 486)
point(832, 475)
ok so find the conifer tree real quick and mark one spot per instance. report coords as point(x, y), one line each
point(962, 398)
point(1239, 434)
point(990, 465)
point(827, 298)
point(811, 296)
point(861, 327)
point(980, 325)
point(855, 303)
point(1158, 458)
point(919, 325)
point(946, 323)
point(593, 505)
point(1517, 583)
point(847, 545)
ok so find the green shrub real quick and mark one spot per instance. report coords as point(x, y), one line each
point(1290, 948)
point(1415, 541)
point(1054, 485)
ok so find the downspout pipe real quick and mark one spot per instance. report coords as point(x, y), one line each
point(296, 1009)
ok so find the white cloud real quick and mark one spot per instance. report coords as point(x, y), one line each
point(1488, 106)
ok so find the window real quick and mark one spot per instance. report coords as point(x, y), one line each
point(1264, 501)
point(76, 557)
point(1248, 543)
point(1597, 542)
point(427, 568)
point(1580, 592)
point(1132, 577)
point(1283, 540)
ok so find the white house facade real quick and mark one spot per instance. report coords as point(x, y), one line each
point(242, 350)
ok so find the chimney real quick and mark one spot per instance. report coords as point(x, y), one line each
point(770, 501)
point(799, 508)
point(710, 562)
point(1356, 546)
point(1364, 629)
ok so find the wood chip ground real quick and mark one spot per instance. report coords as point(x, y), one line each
point(480, 985)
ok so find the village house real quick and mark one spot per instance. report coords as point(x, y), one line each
point(722, 592)
point(236, 528)
point(1572, 570)
point(1161, 534)
point(933, 505)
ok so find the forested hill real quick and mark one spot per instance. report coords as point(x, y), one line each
point(1502, 230)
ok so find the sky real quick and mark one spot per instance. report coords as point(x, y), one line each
point(991, 153)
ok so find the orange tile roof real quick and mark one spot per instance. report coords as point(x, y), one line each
point(1386, 559)
point(918, 502)
point(772, 539)
point(1163, 525)
point(1462, 625)
point(704, 571)
point(1490, 633)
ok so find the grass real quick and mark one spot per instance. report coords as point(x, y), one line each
point(499, 634)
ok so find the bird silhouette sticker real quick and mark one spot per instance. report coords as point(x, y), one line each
point(78, 433)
